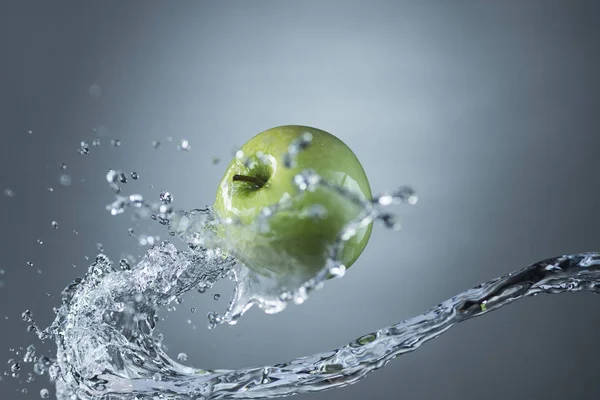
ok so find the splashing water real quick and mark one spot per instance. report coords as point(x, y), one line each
point(105, 345)
point(104, 327)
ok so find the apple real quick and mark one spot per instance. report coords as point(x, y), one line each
point(301, 232)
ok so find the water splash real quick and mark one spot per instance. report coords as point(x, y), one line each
point(104, 327)
point(106, 347)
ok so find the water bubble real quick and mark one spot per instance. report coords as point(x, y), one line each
point(65, 180)
point(54, 225)
point(155, 144)
point(9, 192)
point(134, 176)
point(166, 197)
point(217, 296)
point(115, 143)
point(182, 357)
point(184, 145)
point(95, 90)
point(44, 393)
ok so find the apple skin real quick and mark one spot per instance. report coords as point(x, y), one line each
point(295, 244)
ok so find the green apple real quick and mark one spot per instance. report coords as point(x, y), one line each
point(297, 240)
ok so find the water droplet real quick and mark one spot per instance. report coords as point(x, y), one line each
point(307, 180)
point(134, 176)
point(54, 225)
point(44, 393)
point(115, 143)
point(289, 158)
point(95, 90)
point(9, 193)
point(111, 176)
point(166, 197)
point(124, 265)
point(29, 354)
point(385, 200)
point(65, 180)
point(184, 145)
point(122, 177)
point(27, 316)
point(182, 357)
point(53, 371)
point(84, 148)
point(217, 296)
point(136, 200)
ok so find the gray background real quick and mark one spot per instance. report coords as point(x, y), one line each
point(489, 109)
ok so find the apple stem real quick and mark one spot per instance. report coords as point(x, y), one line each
point(251, 179)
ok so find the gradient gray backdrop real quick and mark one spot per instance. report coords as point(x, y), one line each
point(490, 109)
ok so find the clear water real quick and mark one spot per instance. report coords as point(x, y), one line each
point(105, 324)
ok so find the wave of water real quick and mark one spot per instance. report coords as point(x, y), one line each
point(106, 349)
